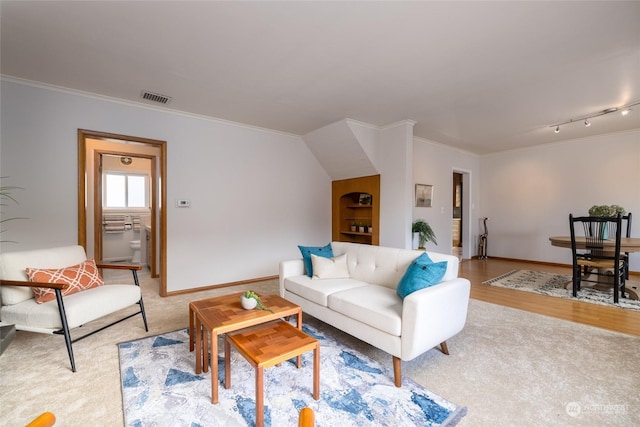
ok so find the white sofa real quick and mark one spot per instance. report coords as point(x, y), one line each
point(366, 305)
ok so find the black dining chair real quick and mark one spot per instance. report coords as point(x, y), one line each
point(595, 245)
point(626, 218)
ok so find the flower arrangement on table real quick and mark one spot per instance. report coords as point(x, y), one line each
point(606, 210)
point(250, 300)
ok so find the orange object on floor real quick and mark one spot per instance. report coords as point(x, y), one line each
point(46, 419)
point(307, 418)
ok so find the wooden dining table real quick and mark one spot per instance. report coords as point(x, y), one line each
point(627, 244)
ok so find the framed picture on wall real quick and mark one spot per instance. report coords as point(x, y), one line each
point(424, 195)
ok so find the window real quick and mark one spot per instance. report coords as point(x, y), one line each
point(125, 190)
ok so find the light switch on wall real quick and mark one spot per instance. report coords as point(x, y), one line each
point(183, 203)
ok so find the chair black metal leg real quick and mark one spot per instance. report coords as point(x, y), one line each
point(144, 315)
point(65, 328)
point(140, 303)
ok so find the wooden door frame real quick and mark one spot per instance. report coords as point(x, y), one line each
point(160, 179)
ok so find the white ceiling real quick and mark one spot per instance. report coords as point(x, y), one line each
point(481, 76)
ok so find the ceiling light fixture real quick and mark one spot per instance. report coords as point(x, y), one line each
point(625, 109)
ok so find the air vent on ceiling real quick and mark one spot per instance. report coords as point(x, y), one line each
point(155, 97)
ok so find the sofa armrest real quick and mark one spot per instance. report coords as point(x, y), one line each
point(433, 315)
point(288, 269)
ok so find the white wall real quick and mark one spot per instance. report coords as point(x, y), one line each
point(528, 194)
point(255, 194)
point(395, 184)
point(434, 164)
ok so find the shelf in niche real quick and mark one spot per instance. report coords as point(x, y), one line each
point(356, 233)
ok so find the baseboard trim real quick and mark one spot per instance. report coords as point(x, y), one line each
point(220, 285)
point(551, 264)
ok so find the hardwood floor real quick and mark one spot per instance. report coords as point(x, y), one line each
point(611, 318)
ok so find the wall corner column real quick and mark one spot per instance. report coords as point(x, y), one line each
point(396, 184)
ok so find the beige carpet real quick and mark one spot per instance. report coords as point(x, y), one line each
point(509, 367)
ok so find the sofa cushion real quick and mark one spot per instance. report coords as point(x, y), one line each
point(330, 268)
point(374, 305)
point(318, 291)
point(375, 264)
point(422, 273)
point(80, 308)
point(79, 278)
point(306, 251)
point(12, 265)
point(386, 266)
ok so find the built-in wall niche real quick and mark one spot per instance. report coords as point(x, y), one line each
point(356, 210)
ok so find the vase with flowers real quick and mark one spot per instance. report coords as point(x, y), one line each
point(606, 211)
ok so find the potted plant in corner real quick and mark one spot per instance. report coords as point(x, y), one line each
point(5, 199)
point(425, 233)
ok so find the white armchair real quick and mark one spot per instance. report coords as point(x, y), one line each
point(64, 313)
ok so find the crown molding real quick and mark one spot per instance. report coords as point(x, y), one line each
point(76, 92)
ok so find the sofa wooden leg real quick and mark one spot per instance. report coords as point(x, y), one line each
point(443, 346)
point(397, 371)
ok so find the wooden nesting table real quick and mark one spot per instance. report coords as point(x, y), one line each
point(267, 345)
point(211, 317)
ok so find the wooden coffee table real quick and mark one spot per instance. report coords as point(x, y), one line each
point(211, 317)
point(268, 345)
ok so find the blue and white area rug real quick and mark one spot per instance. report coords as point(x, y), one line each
point(160, 388)
point(560, 285)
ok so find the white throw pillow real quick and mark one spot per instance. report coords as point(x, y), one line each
point(330, 268)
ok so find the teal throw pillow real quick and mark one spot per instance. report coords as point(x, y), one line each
point(421, 273)
point(306, 251)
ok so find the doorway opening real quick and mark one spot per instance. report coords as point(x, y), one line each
point(460, 221)
point(96, 224)
point(456, 221)
point(125, 207)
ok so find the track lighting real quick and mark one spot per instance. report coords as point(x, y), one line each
point(624, 110)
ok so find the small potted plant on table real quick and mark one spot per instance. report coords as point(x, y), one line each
point(250, 300)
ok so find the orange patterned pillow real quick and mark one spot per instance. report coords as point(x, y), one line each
point(78, 277)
